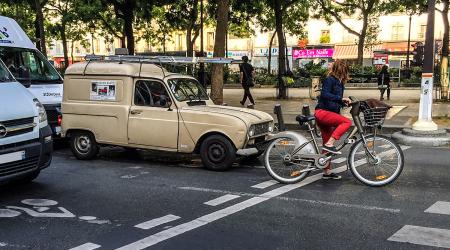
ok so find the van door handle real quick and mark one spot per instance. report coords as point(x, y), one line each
point(135, 112)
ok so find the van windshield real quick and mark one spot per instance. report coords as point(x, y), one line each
point(185, 89)
point(29, 66)
point(5, 76)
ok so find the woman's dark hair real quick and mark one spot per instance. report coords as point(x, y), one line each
point(245, 59)
point(384, 69)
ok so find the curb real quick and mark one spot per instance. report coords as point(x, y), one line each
point(235, 86)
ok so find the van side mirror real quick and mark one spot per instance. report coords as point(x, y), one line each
point(164, 102)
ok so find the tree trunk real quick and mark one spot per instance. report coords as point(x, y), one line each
point(445, 44)
point(361, 40)
point(64, 42)
point(269, 62)
point(72, 44)
point(219, 51)
point(122, 42)
point(282, 93)
point(128, 16)
point(189, 43)
point(40, 24)
point(408, 53)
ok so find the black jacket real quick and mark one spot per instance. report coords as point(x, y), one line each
point(387, 79)
point(331, 95)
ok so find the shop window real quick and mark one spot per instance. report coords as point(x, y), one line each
point(422, 31)
point(398, 31)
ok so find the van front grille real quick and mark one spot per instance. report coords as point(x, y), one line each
point(19, 166)
point(17, 126)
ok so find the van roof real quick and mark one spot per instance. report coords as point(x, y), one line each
point(117, 69)
point(12, 35)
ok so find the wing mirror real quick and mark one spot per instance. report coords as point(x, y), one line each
point(165, 102)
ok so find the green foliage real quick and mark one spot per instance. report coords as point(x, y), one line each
point(325, 38)
point(312, 69)
point(20, 11)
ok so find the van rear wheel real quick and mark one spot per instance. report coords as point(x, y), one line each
point(83, 145)
point(217, 153)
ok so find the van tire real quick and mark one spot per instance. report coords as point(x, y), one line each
point(83, 145)
point(217, 153)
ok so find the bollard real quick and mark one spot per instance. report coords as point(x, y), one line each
point(279, 113)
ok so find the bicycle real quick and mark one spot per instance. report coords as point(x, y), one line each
point(374, 160)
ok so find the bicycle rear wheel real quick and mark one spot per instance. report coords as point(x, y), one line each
point(279, 164)
point(384, 169)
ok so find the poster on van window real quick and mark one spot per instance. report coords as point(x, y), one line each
point(103, 90)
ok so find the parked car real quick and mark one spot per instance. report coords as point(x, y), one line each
point(25, 137)
point(141, 105)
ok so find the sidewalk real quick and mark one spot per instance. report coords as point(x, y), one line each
point(404, 100)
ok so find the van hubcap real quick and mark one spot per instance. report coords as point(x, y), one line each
point(83, 144)
point(217, 152)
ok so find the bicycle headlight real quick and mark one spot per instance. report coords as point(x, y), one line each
point(41, 110)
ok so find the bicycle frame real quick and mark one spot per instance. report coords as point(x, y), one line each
point(320, 160)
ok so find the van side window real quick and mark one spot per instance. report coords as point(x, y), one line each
point(149, 93)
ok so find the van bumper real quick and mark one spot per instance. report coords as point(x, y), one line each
point(38, 155)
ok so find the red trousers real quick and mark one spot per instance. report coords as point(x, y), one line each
point(331, 124)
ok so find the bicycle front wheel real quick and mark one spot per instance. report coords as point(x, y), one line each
point(380, 170)
point(279, 164)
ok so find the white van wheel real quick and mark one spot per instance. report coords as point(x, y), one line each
point(83, 145)
point(217, 153)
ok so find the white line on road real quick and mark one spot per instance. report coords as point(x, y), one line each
point(440, 207)
point(424, 236)
point(265, 184)
point(339, 160)
point(203, 220)
point(87, 246)
point(158, 221)
point(221, 199)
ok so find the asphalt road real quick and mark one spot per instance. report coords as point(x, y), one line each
point(133, 202)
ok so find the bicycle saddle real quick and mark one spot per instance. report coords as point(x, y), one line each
point(303, 118)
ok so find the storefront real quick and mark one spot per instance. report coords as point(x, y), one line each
point(260, 58)
point(317, 55)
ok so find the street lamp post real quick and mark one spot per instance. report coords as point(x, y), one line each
point(425, 122)
point(201, 72)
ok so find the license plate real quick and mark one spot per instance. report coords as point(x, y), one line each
point(11, 157)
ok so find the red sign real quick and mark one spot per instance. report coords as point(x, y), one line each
point(312, 53)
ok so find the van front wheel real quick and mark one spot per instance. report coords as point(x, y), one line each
point(83, 145)
point(217, 153)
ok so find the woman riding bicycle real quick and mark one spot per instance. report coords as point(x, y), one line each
point(332, 125)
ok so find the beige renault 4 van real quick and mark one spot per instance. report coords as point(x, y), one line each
point(141, 105)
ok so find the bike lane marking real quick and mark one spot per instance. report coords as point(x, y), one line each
point(87, 246)
point(158, 221)
point(206, 219)
point(425, 236)
point(221, 200)
point(440, 207)
point(265, 184)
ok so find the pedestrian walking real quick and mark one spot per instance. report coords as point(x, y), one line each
point(247, 74)
point(384, 83)
point(331, 123)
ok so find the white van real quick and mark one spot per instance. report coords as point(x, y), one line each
point(32, 69)
point(25, 137)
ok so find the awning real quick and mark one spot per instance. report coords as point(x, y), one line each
point(350, 51)
point(396, 47)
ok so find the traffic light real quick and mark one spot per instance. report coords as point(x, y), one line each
point(419, 53)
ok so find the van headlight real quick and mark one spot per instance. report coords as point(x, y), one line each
point(270, 128)
point(41, 110)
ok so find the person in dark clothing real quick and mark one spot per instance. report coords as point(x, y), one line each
point(331, 123)
point(384, 83)
point(247, 73)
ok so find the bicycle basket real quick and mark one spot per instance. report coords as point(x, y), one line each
point(373, 117)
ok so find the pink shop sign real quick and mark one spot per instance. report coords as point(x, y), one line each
point(312, 53)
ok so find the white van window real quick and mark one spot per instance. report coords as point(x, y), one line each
point(29, 66)
point(5, 76)
point(148, 93)
point(185, 89)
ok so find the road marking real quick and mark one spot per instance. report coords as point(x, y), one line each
point(87, 246)
point(158, 221)
point(440, 207)
point(221, 199)
point(265, 184)
point(425, 236)
point(206, 219)
point(339, 160)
